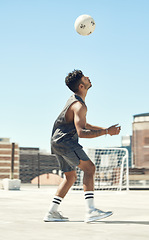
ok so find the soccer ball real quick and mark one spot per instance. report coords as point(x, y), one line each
point(84, 25)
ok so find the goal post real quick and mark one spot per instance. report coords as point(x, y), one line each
point(112, 170)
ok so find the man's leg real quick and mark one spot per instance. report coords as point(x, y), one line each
point(70, 178)
point(88, 183)
point(89, 170)
point(63, 188)
point(53, 214)
point(92, 214)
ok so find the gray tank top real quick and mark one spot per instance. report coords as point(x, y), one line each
point(64, 134)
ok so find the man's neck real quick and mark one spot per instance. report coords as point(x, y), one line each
point(82, 95)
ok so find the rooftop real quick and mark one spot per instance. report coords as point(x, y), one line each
point(141, 115)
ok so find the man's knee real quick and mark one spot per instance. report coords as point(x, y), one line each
point(88, 167)
point(71, 176)
point(91, 169)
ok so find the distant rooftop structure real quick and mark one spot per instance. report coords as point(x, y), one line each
point(126, 141)
point(29, 150)
point(143, 117)
point(6, 140)
point(6, 149)
point(140, 140)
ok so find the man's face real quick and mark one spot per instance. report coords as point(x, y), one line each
point(86, 82)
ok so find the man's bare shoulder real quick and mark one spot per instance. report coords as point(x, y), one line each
point(78, 106)
point(75, 109)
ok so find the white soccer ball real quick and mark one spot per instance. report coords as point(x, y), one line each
point(85, 25)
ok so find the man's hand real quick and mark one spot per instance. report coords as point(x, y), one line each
point(114, 130)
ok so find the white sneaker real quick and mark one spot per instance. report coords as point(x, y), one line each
point(55, 217)
point(96, 214)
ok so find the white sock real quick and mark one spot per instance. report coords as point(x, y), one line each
point(55, 204)
point(89, 200)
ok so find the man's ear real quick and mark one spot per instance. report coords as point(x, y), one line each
point(81, 86)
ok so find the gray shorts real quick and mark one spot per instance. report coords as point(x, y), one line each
point(68, 161)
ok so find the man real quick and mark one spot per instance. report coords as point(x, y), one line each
point(70, 125)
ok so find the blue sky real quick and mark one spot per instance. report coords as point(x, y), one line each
point(39, 47)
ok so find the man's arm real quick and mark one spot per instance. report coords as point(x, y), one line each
point(91, 127)
point(112, 130)
point(86, 130)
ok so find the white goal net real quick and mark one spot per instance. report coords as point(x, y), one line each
point(111, 169)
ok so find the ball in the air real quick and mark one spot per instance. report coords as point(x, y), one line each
point(85, 25)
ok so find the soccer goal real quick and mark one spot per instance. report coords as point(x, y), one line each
point(112, 171)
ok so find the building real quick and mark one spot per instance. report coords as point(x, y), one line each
point(34, 163)
point(127, 143)
point(140, 140)
point(9, 168)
